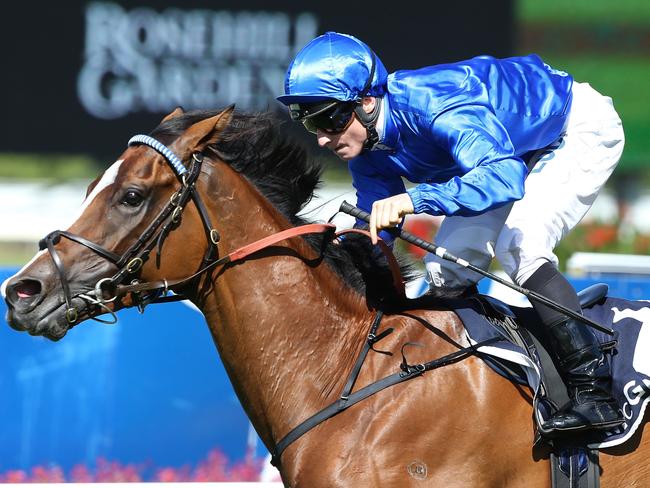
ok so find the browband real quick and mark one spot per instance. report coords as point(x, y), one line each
point(171, 158)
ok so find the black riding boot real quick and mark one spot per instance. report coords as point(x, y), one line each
point(588, 379)
point(584, 367)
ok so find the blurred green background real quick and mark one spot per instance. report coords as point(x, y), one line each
point(607, 44)
point(602, 42)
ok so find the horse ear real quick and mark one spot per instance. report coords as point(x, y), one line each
point(207, 131)
point(177, 111)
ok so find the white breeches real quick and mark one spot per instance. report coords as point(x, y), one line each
point(560, 189)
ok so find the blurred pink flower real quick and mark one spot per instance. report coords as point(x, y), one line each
point(214, 468)
point(15, 476)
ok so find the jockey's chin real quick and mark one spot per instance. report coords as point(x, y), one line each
point(346, 153)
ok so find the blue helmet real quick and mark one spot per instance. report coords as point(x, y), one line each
point(334, 66)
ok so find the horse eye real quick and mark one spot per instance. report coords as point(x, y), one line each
point(132, 198)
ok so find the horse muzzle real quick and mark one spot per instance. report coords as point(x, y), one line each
point(31, 309)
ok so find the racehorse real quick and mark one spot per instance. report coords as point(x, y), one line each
point(290, 318)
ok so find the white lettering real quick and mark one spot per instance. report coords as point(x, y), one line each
point(641, 362)
point(632, 399)
point(634, 393)
point(144, 60)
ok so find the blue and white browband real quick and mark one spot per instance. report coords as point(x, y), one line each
point(162, 149)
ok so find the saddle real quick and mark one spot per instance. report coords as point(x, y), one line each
point(522, 327)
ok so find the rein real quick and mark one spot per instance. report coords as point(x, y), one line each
point(237, 255)
point(243, 252)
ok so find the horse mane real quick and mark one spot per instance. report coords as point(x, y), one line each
point(280, 167)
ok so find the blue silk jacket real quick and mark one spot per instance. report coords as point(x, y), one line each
point(460, 131)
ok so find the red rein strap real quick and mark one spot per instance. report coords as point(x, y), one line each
point(249, 249)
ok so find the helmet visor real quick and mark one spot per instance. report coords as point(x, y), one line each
point(331, 117)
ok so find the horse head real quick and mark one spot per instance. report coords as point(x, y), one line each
point(128, 214)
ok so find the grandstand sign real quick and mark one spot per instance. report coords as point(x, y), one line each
point(144, 60)
point(84, 74)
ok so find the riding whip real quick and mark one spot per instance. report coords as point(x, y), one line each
point(447, 256)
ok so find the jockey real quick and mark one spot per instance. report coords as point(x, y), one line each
point(511, 151)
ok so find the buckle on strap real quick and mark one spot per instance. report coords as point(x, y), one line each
point(174, 199)
point(134, 265)
point(374, 338)
point(71, 315)
point(408, 369)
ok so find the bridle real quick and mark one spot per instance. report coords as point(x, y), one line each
point(130, 262)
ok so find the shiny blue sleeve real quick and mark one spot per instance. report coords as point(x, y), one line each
point(480, 146)
point(371, 186)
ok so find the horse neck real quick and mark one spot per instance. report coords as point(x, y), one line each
point(287, 332)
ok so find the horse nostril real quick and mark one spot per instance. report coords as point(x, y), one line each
point(24, 290)
point(28, 288)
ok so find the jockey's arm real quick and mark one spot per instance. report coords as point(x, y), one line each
point(480, 145)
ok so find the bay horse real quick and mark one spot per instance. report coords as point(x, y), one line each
point(289, 320)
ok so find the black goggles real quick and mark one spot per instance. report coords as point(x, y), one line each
point(330, 116)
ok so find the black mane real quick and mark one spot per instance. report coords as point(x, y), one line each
point(255, 145)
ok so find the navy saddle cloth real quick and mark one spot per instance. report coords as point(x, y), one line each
point(486, 318)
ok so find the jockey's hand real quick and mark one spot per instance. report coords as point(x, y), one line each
point(388, 213)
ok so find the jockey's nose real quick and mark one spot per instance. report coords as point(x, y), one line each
point(23, 294)
point(323, 138)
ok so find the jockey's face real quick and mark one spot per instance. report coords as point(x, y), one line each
point(348, 143)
